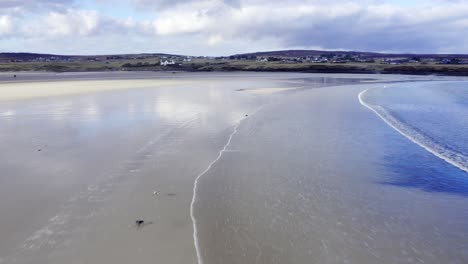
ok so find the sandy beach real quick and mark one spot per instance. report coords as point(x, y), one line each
point(96, 151)
point(222, 168)
point(15, 91)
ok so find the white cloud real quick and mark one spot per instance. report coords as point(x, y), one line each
point(188, 22)
point(71, 23)
point(6, 25)
point(160, 5)
point(215, 27)
point(21, 6)
point(190, 18)
point(215, 40)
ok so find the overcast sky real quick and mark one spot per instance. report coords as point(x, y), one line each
point(224, 27)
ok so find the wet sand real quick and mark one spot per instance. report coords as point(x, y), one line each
point(15, 91)
point(83, 162)
point(283, 177)
point(315, 192)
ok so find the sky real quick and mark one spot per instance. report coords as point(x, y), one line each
point(226, 27)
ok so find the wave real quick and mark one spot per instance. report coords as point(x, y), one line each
point(445, 153)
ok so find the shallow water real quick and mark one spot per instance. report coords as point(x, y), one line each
point(433, 115)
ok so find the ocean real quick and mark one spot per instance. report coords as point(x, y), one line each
point(433, 115)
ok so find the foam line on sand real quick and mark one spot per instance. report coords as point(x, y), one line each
point(194, 197)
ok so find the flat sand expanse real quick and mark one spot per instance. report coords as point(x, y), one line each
point(15, 91)
point(271, 90)
point(86, 156)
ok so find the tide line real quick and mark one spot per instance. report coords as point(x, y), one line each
point(194, 197)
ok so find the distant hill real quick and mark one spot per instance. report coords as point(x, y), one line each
point(24, 56)
point(273, 61)
point(308, 53)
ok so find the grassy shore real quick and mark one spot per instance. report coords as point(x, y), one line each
point(237, 65)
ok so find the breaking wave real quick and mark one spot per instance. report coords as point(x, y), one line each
point(447, 153)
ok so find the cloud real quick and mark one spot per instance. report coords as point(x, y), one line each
point(6, 25)
point(35, 5)
point(339, 25)
point(167, 4)
point(63, 24)
point(223, 27)
point(77, 23)
point(186, 19)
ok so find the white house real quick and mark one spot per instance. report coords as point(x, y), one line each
point(167, 62)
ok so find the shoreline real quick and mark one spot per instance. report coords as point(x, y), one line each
point(412, 138)
point(194, 194)
point(195, 184)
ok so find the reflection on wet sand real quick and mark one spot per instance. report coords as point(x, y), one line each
point(94, 149)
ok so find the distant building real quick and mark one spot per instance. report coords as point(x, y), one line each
point(167, 62)
point(319, 60)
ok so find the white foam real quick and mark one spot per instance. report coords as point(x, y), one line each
point(194, 197)
point(452, 157)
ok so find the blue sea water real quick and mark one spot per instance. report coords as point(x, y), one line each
point(434, 115)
